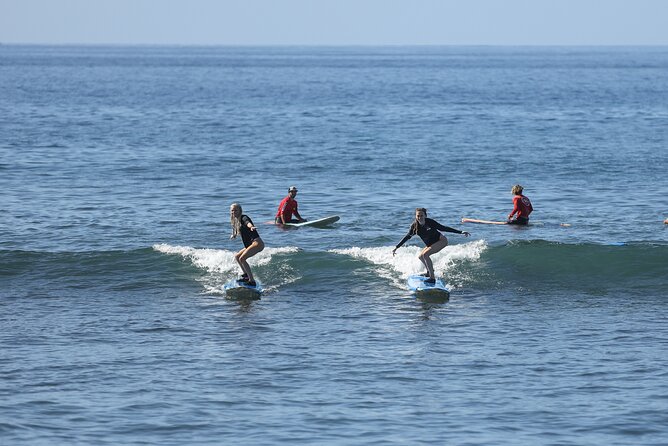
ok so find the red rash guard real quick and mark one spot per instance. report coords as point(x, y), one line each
point(521, 206)
point(287, 208)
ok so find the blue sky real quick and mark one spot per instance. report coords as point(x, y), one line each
point(336, 22)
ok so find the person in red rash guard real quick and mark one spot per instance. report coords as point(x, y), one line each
point(521, 207)
point(288, 208)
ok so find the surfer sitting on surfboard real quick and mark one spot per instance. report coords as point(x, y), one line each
point(287, 208)
point(521, 206)
point(242, 224)
point(428, 229)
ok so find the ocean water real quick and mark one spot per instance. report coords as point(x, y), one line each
point(117, 169)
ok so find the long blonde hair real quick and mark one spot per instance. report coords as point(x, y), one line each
point(235, 221)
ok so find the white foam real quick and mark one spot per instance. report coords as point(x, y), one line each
point(406, 262)
point(220, 260)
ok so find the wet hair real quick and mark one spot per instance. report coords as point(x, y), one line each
point(235, 221)
point(424, 210)
point(517, 189)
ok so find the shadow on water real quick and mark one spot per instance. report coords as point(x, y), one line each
point(244, 305)
point(432, 297)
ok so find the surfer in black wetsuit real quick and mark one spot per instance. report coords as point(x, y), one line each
point(428, 229)
point(242, 224)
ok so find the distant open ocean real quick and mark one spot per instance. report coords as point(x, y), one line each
point(117, 169)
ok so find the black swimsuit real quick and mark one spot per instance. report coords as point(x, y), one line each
point(247, 235)
point(427, 232)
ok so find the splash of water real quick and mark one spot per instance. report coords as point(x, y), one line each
point(220, 264)
point(405, 262)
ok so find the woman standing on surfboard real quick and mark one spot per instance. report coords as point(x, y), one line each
point(521, 206)
point(428, 229)
point(242, 224)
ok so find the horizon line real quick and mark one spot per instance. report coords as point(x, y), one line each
point(332, 45)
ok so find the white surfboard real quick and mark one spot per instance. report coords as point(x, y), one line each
point(490, 222)
point(241, 290)
point(317, 223)
point(484, 222)
point(418, 285)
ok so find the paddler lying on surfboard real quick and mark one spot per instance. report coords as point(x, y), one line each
point(428, 229)
point(287, 208)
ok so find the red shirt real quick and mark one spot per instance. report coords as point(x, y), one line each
point(287, 207)
point(521, 206)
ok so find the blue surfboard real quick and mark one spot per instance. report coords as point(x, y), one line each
point(241, 290)
point(417, 284)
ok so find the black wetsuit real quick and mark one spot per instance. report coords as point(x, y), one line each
point(427, 232)
point(519, 221)
point(246, 234)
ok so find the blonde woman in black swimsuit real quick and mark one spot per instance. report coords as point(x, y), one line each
point(242, 224)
